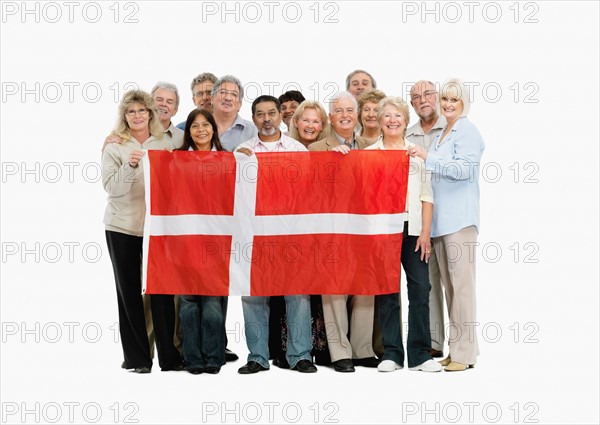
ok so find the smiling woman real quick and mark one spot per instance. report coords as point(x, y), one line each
point(200, 132)
point(139, 128)
point(454, 158)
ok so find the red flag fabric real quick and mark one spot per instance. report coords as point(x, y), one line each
point(274, 223)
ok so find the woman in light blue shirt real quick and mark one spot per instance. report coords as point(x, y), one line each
point(454, 160)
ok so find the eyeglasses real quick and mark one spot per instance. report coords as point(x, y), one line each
point(133, 112)
point(233, 94)
point(426, 95)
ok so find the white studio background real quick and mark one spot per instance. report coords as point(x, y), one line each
point(533, 67)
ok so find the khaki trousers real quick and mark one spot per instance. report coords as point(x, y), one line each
point(456, 258)
point(361, 309)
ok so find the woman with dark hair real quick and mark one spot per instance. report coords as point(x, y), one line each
point(202, 317)
point(200, 132)
point(139, 128)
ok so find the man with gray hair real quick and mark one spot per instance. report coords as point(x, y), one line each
point(202, 86)
point(423, 100)
point(166, 98)
point(360, 81)
point(227, 95)
point(339, 309)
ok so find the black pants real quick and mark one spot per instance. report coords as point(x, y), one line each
point(126, 256)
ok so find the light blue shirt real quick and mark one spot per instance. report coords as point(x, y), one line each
point(455, 178)
point(240, 131)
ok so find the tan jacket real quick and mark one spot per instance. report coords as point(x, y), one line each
point(126, 206)
point(330, 142)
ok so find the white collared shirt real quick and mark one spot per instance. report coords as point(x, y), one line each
point(419, 188)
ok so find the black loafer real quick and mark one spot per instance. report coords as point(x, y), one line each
point(213, 370)
point(305, 366)
point(230, 356)
point(195, 370)
point(124, 365)
point(344, 365)
point(281, 363)
point(251, 367)
point(176, 368)
point(142, 369)
point(367, 362)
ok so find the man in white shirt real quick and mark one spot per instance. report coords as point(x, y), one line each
point(266, 114)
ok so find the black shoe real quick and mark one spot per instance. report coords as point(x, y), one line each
point(213, 370)
point(305, 366)
point(230, 356)
point(124, 365)
point(177, 367)
point(142, 369)
point(344, 365)
point(251, 367)
point(367, 362)
point(195, 370)
point(281, 363)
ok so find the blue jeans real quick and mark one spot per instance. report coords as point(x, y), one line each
point(418, 286)
point(256, 322)
point(203, 325)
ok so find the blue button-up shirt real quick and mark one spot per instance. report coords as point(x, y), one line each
point(454, 165)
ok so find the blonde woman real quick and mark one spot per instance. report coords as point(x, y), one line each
point(453, 159)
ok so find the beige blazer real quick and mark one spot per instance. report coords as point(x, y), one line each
point(330, 142)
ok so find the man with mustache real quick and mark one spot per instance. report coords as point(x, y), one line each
point(266, 114)
point(423, 97)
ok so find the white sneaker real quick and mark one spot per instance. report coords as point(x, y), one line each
point(428, 366)
point(388, 366)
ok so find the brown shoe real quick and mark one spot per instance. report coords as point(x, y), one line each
point(436, 353)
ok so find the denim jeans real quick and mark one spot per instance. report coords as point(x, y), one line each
point(203, 325)
point(418, 286)
point(256, 322)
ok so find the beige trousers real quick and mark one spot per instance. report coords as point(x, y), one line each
point(361, 309)
point(456, 258)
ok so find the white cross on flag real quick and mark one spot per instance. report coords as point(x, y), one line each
point(219, 223)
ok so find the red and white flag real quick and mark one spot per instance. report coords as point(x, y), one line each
point(287, 223)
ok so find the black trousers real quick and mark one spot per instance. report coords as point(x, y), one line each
point(126, 257)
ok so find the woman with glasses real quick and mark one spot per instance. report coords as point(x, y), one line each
point(139, 127)
point(453, 159)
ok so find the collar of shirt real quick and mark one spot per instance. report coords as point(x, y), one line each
point(343, 141)
point(284, 144)
point(170, 131)
point(417, 130)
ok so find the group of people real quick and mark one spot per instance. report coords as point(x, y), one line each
point(297, 331)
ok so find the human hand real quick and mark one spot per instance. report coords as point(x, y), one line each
point(246, 151)
point(135, 157)
point(344, 149)
point(424, 244)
